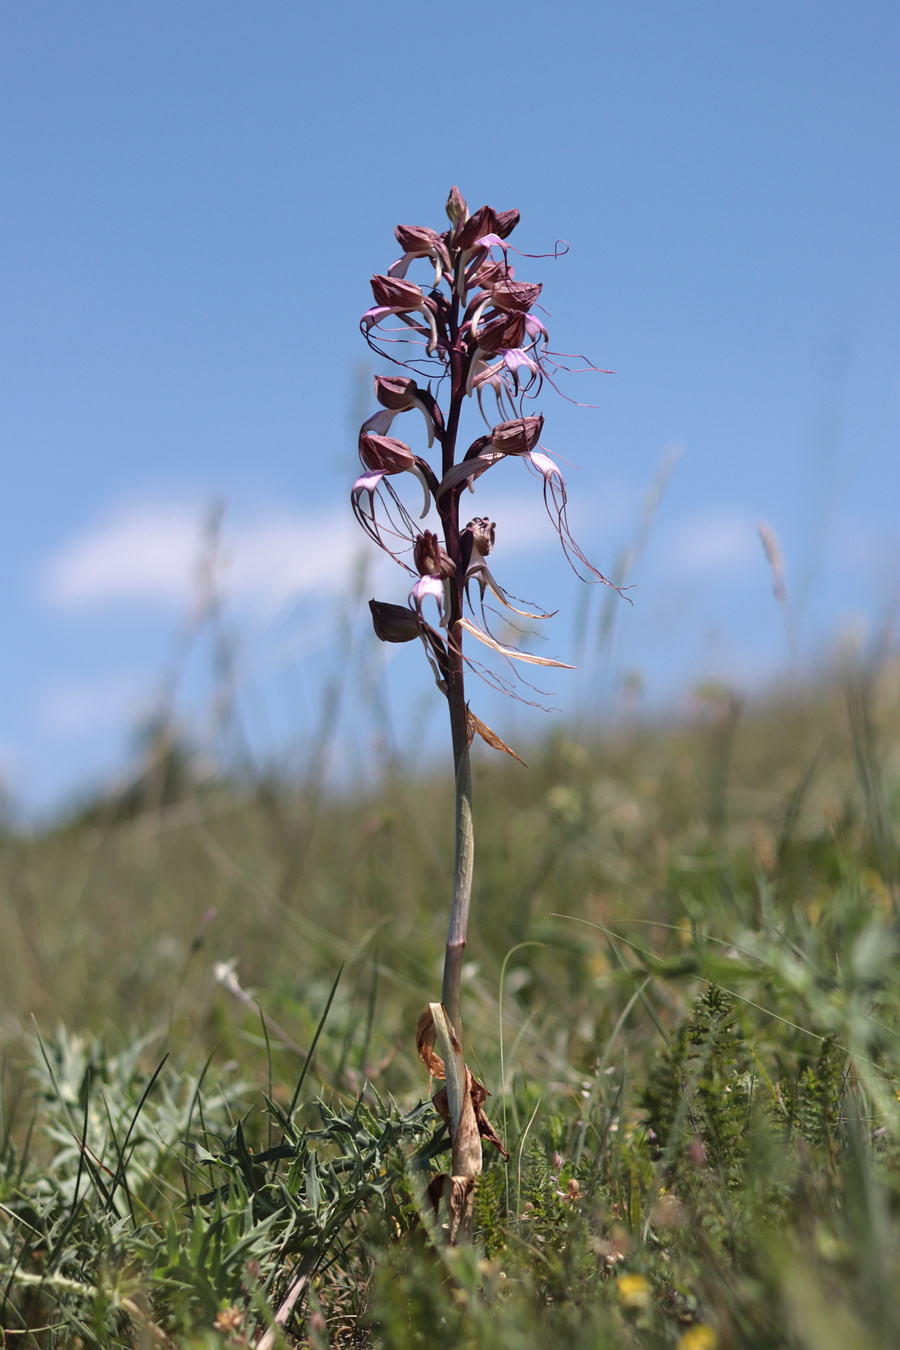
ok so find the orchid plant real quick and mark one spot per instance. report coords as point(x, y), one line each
point(472, 335)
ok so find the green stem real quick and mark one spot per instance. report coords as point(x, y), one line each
point(456, 698)
point(466, 1144)
point(464, 858)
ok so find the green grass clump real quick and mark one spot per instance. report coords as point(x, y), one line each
point(684, 982)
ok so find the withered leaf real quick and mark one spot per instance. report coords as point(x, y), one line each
point(475, 725)
point(426, 1035)
point(485, 1128)
point(435, 1190)
point(457, 1191)
point(478, 1094)
point(466, 1158)
point(425, 1038)
point(441, 1103)
point(459, 1203)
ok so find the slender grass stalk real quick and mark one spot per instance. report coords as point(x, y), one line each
point(503, 1085)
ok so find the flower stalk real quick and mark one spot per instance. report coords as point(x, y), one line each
point(471, 332)
point(464, 861)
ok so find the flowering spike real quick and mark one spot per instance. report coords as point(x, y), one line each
point(494, 342)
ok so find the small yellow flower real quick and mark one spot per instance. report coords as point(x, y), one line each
point(700, 1337)
point(634, 1290)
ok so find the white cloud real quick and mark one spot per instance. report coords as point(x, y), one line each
point(150, 555)
point(718, 541)
point(140, 553)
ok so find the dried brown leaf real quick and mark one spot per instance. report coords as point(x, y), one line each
point(426, 1034)
point(474, 725)
point(458, 1192)
point(435, 1190)
point(485, 1128)
point(467, 1156)
point(478, 1094)
point(459, 1204)
point(441, 1103)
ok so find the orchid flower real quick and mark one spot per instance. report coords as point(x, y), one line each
point(396, 394)
point(483, 533)
point(507, 297)
point(425, 587)
point(418, 241)
point(395, 296)
point(386, 455)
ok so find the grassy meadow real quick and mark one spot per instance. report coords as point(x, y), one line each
point(682, 990)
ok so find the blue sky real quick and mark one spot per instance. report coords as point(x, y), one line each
point(196, 195)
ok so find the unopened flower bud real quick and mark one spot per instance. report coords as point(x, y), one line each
point(393, 623)
point(506, 222)
point(517, 437)
point(483, 532)
point(385, 454)
point(456, 205)
point(430, 558)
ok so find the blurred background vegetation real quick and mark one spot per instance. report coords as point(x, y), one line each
point(682, 990)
